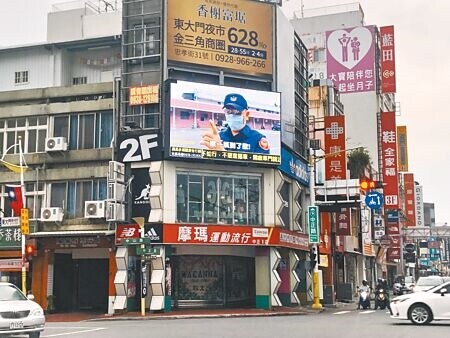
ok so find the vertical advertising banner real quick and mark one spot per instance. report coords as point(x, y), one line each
point(418, 197)
point(232, 34)
point(389, 159)
point(402, 148)
point(336, 158)
point(343, 224)
point(351, 59)
point(410, 209)
point(387, 51)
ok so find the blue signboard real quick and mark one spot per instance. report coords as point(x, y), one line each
point(294, 167)
point(392, 216)
point(374, 200)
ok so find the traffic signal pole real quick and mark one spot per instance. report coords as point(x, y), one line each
point(312, 183)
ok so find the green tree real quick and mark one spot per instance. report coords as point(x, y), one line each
point(358, 162)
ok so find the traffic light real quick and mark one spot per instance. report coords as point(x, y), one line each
point(366, 184)
point(312, 258)
point(30, 251)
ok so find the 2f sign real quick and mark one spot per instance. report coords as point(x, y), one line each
point(138, 149)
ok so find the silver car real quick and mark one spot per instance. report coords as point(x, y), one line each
point(428, 282)
point(19, 314)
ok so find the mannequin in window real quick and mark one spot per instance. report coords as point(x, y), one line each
point(181, 204)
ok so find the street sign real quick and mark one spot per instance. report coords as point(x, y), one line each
point(313, 224)
point(24, 223)
point(10, 221)
point(374, 200)
point(385, 241)
point(148, 251)
point(135, 241)
point(410, 247)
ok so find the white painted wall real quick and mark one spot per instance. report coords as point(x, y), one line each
point(285, 76)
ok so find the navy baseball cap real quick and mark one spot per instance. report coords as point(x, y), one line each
point(235, 101)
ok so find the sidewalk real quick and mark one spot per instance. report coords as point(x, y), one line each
point(181, 314)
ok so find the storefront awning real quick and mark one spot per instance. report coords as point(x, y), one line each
point(72, 233)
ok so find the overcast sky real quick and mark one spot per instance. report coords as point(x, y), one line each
point(422, 61)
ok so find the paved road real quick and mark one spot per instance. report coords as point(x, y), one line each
point(340, 323)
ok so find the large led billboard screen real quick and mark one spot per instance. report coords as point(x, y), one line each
point(224, 123)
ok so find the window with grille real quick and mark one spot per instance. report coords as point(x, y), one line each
point(21, 77)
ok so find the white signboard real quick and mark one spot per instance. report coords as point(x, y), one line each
point(10, 221)
point(418, 197)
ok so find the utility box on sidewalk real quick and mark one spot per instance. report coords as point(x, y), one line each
point(344, 292)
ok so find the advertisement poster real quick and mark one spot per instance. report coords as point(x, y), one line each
point(351, 59)
point(224, 123)
point(223, 34)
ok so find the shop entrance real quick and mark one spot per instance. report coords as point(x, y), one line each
point(213, 281)
point(80, 284)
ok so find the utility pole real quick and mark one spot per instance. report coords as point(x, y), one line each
point(312, 183)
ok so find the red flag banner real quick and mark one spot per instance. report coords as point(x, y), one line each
point(14, 193)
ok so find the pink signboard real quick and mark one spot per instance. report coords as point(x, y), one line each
point(351, 59)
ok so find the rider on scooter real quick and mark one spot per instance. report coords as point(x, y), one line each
point(363, 288)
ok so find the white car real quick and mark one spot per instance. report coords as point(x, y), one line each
point(19, 314)
point(423, 307)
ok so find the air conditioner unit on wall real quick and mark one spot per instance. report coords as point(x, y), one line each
point(116, 171)
point(116, 191)
point(52, 214)
point(95, 209)
point(115, 212)
point(55, 144)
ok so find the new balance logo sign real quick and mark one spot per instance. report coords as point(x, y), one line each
point(151, 233)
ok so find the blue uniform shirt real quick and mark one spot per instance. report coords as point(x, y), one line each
point(247, 140)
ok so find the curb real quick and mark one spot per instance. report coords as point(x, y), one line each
point(201, 316)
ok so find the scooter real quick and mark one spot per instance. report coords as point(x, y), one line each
point(380, 299)
point(364, 300)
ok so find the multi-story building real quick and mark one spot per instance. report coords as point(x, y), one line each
point(56, 100)
point(112, 116)
point(343, 49)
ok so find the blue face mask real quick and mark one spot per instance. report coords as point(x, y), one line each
point(235, 122)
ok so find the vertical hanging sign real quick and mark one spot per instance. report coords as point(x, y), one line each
point(408, 183)
point(389, 159)
point(387, 59)
point(335, 159)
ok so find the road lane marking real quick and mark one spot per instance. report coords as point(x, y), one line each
point(73, 332)
point(368, 311)
point(341, 312)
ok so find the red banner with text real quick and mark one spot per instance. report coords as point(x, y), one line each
point(387, 52)
point(336, 158)
point(389, 159)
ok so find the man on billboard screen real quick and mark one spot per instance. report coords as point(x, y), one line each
point(237, 135)
point(209, 121)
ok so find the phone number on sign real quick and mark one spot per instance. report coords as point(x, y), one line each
point(240, 60)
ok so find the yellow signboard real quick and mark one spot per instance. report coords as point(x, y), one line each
point(24, 222)
point(143, 94)
point(402, 149)
point(232, 34)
